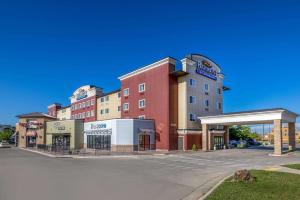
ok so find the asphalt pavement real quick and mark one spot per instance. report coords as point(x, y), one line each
point(30, 176)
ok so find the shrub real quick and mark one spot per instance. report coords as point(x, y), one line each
point(243, 176)
point(194, 147)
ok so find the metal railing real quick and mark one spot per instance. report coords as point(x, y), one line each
point(59, 150)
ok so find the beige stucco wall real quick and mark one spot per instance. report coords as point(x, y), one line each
point(185, 91)
point(112, 104)
point(74, 128)
point(41, 137)
point(64, 114)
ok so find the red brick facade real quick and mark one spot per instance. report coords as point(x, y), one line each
point(191, 139)
point(90, 108)
point(52, 109)
point(160, 97)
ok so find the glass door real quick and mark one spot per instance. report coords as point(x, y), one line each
point(144, 142)
point(219, 142)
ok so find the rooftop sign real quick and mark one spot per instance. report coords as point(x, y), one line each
point(204, 68)
point(81, 94)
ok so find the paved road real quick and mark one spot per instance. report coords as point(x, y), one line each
point(29, 176)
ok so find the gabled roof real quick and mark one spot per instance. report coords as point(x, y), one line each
point(35, 114)
point(148, 67)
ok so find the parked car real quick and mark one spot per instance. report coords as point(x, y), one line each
point(252, 142)
point(242, 144)
point(4, 144)
point(233, 143)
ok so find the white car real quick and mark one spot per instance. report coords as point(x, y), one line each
point(4, 144)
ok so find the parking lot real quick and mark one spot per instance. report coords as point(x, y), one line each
point(26, 175)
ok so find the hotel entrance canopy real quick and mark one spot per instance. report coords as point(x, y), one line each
point(251, 117)
point(275, 116)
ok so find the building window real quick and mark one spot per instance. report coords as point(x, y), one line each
point(107, 98)
point(142, 103)
point(142, 87)
point(126, 92)
point(92, 113)
point(106, 111)
point(192, 99)
point(141, 117)
point(206, 87)
point(101, 111)
point(93, 102)
point(206, 103)
point(119, 108)
point(119, 94)
point(72, 116)
point(87, 114)
point(219, 105)
point(63, 110)
point(192, 82)
point(102, 99)
point(219, 91)
point(76, 116)
point(83, 115)
point(88, 103)
point(192, 117)
point(126, 106)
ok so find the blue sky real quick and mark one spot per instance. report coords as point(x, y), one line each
point(50, 48)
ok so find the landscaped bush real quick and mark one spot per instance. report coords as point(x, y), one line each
point(243, 176)
point(194, 147)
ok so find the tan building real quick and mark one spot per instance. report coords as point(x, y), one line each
point(67, 134)
point(200, 93)
point(285, 136)
point(64, 113)
point(32, 129)
point(109, 106)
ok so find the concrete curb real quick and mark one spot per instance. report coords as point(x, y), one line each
point(279, 169)
point(45, 154)
point(214, 188)
point(86, 157)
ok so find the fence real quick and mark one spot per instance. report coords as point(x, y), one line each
point(59, 150)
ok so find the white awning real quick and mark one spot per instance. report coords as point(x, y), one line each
point(99, 132)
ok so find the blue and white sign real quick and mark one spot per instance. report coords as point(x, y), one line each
point(81, 94)
point(97, 126)
point(204, 68)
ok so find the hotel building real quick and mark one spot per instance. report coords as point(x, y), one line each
point(173, 98)
point(182, 102)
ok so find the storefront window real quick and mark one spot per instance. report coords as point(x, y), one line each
point(99, 142)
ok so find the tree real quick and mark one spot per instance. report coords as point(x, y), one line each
point(241, 132)
point(6, 134)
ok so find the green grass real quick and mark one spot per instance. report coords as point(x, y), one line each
point(269, 185)
point(293, 166)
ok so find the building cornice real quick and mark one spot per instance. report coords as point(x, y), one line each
point(148, 67)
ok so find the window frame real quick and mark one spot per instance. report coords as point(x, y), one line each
point(192, 82)
point(142, 100)
point(193, 98)
point(144, 87)
point(193, 119)
point(206, 84)
point(141, 117)
point(126, 109)
point(126, 89)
